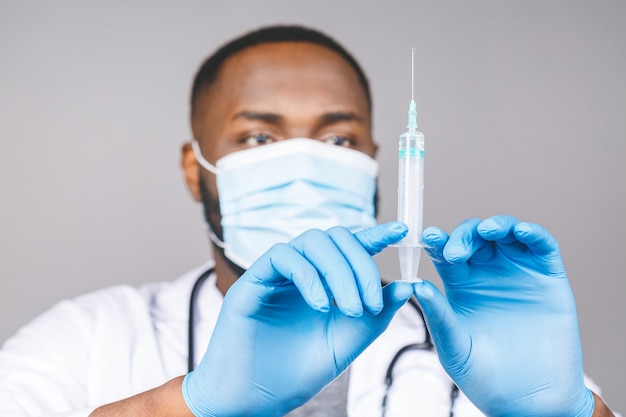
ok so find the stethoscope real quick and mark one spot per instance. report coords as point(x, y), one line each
point(425, 345)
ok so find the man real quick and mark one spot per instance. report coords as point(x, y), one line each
point(283, 148)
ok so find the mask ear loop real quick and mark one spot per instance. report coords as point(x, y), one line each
point(197, 152)
point(213, 237)
point(238, 270)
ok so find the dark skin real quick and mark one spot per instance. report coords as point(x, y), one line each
point(274, 92)
point(265, 93)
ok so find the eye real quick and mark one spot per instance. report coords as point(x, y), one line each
point(339, 141)
point(258, 139)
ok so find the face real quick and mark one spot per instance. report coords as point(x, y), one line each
point(274, 92)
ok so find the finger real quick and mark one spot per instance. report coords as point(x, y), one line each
point(451, 339)
point(434, 241)
point(365, 330)
point(536, 238)
point(283, 263)
point(377, 238)
point(541, 243)
point(463, 243)
point(319, 249)
point(363, 267)
point(499, 229)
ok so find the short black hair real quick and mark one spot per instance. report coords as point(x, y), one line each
point(207, 74)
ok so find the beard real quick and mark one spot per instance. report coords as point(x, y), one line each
point(211, 209)
point(212, 216)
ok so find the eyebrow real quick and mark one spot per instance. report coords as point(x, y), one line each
point(325, 119)
point(264, 117)
point(334, 117)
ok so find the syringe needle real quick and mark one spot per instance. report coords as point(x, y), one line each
point(412, 74)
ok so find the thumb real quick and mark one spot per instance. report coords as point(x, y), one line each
point(395, 295)
point(452, 341)
point(359, 333)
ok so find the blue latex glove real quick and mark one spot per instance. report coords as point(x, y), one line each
point(507, 333)
point(294, 321)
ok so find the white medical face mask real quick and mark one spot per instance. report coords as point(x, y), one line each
point(272, 193)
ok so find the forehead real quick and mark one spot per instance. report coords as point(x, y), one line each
point(271, 75)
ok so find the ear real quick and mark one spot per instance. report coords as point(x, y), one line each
point(191, 171)
point(375, 150)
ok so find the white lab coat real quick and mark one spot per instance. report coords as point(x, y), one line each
point(117, 342)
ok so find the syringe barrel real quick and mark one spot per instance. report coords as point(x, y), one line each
point(411, 186)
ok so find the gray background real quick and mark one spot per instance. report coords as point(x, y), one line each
point(522, 104)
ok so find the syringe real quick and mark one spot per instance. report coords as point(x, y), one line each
point(411, 189)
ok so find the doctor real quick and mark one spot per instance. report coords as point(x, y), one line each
point(283, 153)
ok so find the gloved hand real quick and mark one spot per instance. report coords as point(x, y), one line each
point(507, 333)
point(294, 321)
